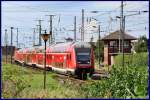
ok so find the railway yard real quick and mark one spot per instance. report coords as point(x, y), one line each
point(75, 49)
point(27, 82)
point(32, 78)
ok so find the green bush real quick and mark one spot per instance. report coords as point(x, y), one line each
point(13, 81)
point(96, 50)
point(137, 59)
point(142, 44)
point(25, 82)
point(130, 82)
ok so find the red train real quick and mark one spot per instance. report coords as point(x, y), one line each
point(75, 58)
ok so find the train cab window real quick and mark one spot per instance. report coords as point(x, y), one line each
point(83, 55)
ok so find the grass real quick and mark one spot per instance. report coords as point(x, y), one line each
point(54, 89)
point(22, 82)
point(105, 68)
point(128, 82)
point(138, 59)
point(25, 82)
point(29, 83)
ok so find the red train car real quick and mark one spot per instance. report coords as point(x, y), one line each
point(70, 58)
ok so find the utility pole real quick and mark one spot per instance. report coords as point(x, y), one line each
point(50, 28)
point(37, 26)
point(17, 37)
point(123, 37)
point(82, 29)
point(120, 35)
point(40, 29)
point(122, 32)
point(34, 36)
point(6, 43)
point(11, 42)
point(99, 43)
point(74, 28)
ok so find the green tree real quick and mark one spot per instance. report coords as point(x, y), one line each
point(96, 50)
point(142, 44)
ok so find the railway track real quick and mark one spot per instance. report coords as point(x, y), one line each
point(73, 79)
point(69, 80)
point(62, 78)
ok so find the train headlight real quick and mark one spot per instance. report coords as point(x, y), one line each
point(79, 62)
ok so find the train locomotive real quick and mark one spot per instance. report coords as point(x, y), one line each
point(76, 58)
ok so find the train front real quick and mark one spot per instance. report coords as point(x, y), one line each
point(84, 60)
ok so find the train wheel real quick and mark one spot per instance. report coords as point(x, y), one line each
point(79, 75)
point(91, 72)
point(84, 76)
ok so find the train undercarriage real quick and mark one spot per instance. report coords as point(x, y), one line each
point(80, 73)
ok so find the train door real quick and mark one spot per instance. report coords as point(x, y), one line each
point(40, 58)
point(33, 57)
point(53, 59)
point(65, 61)
point(49, 59)
point(24, 57)
point(28, 57)
point(68, 60)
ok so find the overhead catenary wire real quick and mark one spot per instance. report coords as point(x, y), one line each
point(108, 12)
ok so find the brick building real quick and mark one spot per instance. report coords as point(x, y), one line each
point(112, 48)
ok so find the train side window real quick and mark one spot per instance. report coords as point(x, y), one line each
point(48, 57)
point(52, 57)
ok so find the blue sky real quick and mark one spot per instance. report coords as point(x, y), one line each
point(24, 13)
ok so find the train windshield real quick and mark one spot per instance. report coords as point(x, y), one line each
point(83, 55)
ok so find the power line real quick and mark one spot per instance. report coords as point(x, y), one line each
point(108, 12)
point(50, 30)
point(82, 29)
point(34, 36)
point(40, 29)
point(74, 28)
point(138, 24)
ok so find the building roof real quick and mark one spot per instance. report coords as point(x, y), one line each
point(115, 36)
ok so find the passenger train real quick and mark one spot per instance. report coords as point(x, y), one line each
point(76, 58)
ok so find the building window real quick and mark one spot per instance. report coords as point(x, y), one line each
point(113, 43)
point(126, 43)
